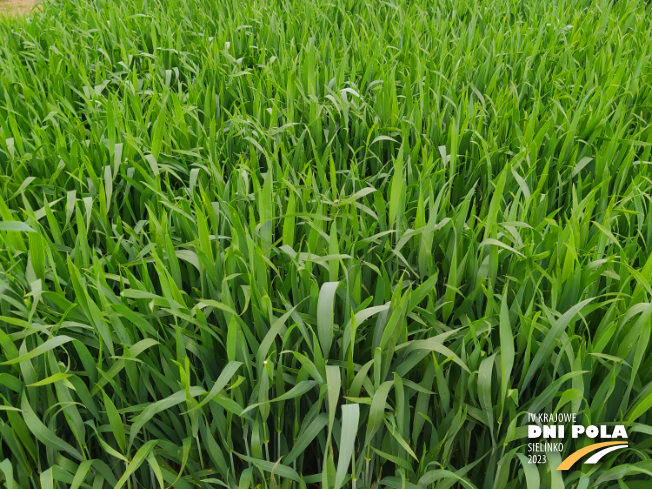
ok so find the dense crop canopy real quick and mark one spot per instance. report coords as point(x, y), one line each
point(284, 242)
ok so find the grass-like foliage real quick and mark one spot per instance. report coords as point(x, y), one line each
point(279, 243)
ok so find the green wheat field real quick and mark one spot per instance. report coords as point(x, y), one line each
point(275, 244)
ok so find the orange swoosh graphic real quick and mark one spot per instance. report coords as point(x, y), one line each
point(574, 457)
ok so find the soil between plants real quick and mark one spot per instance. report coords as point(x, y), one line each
point(16, 6)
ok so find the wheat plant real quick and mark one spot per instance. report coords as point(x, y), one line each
point(299, 243)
